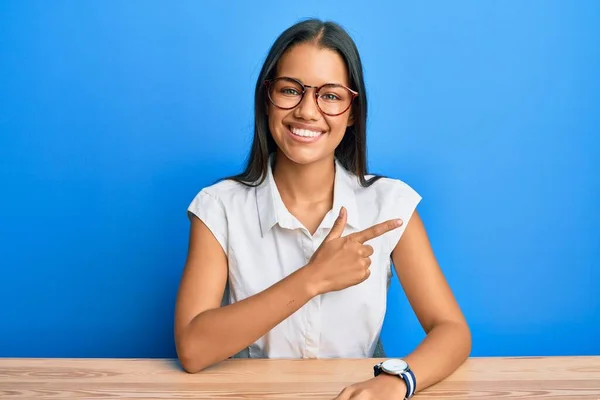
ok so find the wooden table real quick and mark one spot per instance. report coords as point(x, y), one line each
point(565, 378)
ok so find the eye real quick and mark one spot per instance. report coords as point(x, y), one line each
point(330, 97)
point(289, 91)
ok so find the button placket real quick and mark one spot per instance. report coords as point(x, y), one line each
point(313, 331)
point(307, 309)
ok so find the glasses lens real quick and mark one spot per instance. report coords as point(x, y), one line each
point(334, 99)
point(285, 93)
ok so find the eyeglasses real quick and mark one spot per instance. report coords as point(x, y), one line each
point(332, 99)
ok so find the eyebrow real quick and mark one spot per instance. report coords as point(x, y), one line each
point(301, 81)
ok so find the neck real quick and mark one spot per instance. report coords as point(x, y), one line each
point(304, 184)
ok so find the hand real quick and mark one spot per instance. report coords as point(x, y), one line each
point(381, 387)
point(341, 262)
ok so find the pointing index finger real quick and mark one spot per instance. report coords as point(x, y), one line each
point(376, 230)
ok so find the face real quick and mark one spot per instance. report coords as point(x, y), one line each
point(304, 134)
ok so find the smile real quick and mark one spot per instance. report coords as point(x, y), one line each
point(304, 135)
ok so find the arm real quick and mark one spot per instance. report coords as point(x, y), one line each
point(206, 333)
point(448, 341)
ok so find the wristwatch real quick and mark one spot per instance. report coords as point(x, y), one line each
point(401, 369)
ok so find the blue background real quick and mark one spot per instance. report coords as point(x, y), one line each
point(113, 115)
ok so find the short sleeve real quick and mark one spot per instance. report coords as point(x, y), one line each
point(403, 201)
point(210, 210)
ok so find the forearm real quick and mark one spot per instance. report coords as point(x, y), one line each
point(217, 334)
point(442, 351)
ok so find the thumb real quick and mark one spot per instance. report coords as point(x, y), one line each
point(338, 226)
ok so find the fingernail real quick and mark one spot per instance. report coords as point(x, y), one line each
point(398, 222)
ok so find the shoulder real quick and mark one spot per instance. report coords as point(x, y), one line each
point(385, 199)
point(222, 198)
point(219, 203)
point(225, 191)
point(387, 191)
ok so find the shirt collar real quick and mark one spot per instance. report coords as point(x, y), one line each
point(272, 210)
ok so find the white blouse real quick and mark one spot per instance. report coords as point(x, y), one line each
point(264, 243)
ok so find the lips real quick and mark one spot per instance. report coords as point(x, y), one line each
point(304, 135)
point(305, 132)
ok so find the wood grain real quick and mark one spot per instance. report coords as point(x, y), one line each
point(565, 378)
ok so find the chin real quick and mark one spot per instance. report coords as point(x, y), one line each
point(302, 157)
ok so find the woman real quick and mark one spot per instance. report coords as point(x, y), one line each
point(305, 240)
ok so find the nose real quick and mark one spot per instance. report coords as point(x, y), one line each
point(307, 109)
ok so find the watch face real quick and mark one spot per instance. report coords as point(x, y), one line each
point(395, 366)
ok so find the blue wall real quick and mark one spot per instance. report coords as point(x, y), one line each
point(114, 114)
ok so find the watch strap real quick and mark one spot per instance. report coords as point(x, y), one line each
point(411, 382)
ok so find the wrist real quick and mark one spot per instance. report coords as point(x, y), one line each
point(396, 383)
point(310, 281)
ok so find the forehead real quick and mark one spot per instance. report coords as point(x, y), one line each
point(313, 65)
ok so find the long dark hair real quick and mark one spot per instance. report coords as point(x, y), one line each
point(352, 150)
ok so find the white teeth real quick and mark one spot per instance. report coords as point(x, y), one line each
point(304, 132)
